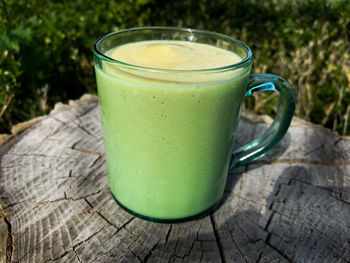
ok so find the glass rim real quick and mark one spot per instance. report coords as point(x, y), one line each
point(240, 64)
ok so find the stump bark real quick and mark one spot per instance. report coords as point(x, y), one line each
point(292, 205)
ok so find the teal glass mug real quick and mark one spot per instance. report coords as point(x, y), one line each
point(169, 134)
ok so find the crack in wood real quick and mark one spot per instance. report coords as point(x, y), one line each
point(167, 234)
point(217, 239)
point(87, 239)
point(175, 257)
point(273, 212)
point(10, 248)
point(75, 143)
point(245, 199)
point(331, 190)
point(100, 214)
point(269, 221)
point(238, 249)
point(52, 259)
point(200, 259)
point(281, 253)
point(100, 154)
point(270, 207)
point(199, 229)
point(60, 121)
point(17, 203)
point(253, 241)
point(316, 149)
point(127, 222)
point(77, 126)
point(76, 254)
point(69, 249)
point(192, 245)
point(136, 256)
point(259, 257)
point(123, 227)
point(65, 198)
point(94, 162)
point(93, 106)
point(176, 243)
point(89, 152)
point(146, 258)
point(278, 190)
point(337, 141)
point(85, 130)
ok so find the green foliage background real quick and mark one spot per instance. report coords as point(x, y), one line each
point(45, 49)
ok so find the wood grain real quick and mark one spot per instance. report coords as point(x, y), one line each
point(293, 205)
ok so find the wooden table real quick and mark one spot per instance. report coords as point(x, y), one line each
point(293, 205)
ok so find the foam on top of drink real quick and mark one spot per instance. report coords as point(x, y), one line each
point(175, 55)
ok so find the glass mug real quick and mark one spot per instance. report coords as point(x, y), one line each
point(169, 134)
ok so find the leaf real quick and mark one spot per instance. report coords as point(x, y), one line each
point(7, 43)
point(15, 45)
point(24, 34)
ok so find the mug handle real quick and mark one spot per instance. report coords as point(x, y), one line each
point(266, 141)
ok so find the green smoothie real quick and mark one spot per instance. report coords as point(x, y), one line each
point(169, 133)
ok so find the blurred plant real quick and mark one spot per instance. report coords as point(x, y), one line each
point(45, 49)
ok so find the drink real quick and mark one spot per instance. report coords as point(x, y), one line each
point(170, 101)
point(168, 143)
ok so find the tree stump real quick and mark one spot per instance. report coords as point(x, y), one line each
point(293, 205)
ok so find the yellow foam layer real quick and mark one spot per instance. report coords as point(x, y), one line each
point(176, 55)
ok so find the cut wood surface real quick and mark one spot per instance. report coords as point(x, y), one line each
point(292, 205)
